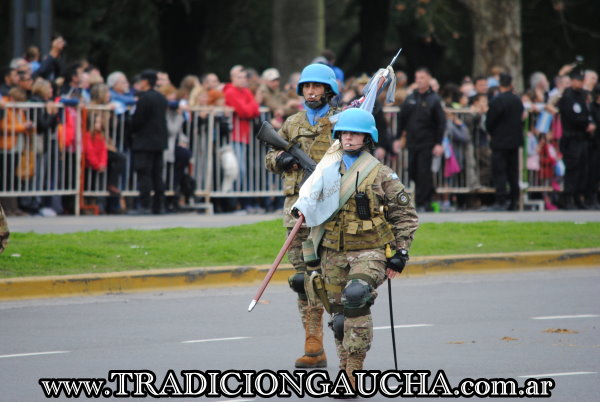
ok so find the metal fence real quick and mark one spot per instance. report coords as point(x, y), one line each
point(33, 161)
point(39, 157)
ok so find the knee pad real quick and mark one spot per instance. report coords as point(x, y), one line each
point(357, 298)
point(337, 325)
point(296, 282)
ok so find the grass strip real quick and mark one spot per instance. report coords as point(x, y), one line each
point(30, 254)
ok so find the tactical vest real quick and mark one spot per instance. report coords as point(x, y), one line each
point(314, 141)
point(346, 231)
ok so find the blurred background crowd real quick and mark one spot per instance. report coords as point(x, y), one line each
point(105, 106)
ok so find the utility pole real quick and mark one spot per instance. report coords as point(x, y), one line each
point(31, 25)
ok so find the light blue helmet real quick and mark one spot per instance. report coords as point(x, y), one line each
point(318, 73)
point(358, 121)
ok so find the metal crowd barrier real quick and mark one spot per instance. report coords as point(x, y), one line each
point(221, 168)
point(34, 160)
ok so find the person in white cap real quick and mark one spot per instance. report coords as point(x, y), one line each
point(274, 98)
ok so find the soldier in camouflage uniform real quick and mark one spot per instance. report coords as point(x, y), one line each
point(4, 233)
point(312, 130)
point(355, 239)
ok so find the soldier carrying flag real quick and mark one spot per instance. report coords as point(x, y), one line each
point(357, 209)
point(371, 213)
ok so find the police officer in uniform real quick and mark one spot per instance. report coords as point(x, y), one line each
point(148, 141)
point(311, 129)
point(365, 241)
point(577, 128)
point(424, 120)
point(594, 171)
point(504, 122)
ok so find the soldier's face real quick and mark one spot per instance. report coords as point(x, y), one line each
point(313, 91)
point(352, 141)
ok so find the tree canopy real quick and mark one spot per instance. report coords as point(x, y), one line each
point(198, 36)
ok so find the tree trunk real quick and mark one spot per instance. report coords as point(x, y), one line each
point(179, 33)
point(298, 34)
point(374, 18)
point(497, 37)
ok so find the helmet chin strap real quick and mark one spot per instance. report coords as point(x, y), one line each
point(354, 151)
point(322, 101)
point(316, 104)
point(366, 146)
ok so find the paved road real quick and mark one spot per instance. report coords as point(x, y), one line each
point(65, 224)
point(485, 325)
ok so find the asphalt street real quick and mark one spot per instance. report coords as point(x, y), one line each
point(503, 325)
point(66, 224)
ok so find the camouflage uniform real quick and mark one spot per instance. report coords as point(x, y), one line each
point(314, 141)
point(4, 233)
point(352, 248)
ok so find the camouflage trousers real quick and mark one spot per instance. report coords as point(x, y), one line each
point(296, 258)
point(294, 253)
point(4, 232)
point(337, 265)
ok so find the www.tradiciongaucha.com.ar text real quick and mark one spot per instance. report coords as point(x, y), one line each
point(267, 383)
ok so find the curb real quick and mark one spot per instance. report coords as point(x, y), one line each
point(210, 277)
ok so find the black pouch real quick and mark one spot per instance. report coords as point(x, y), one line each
point(362, 203)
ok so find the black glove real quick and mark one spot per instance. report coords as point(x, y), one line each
point(285, 161)
point(295, 213)
point(398, 261)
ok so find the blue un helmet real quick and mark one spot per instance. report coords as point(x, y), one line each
point(358, 121)
point(318, 73)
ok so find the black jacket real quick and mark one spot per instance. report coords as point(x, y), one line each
point(149, 123)
point(423, 118)
point(595, 112)
point(50, 68)
point(504, 121)
point(44, 121)
point(574, 113)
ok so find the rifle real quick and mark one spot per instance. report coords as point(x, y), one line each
point(269, 136)
point(275, 264)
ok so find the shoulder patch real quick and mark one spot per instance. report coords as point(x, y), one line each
point(403, 198)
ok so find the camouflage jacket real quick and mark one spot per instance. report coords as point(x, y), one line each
point(314, 140)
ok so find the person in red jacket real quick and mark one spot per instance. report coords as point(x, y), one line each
point(239, 97)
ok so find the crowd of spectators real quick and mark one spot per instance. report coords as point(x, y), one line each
point(447, 129)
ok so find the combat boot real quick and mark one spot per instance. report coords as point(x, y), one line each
point(314, 354)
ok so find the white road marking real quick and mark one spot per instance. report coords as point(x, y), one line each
point(235, 338)
point(560, 317)
point(405, 326)
point(557, 374)
point(236, 400)
point(56, 352)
